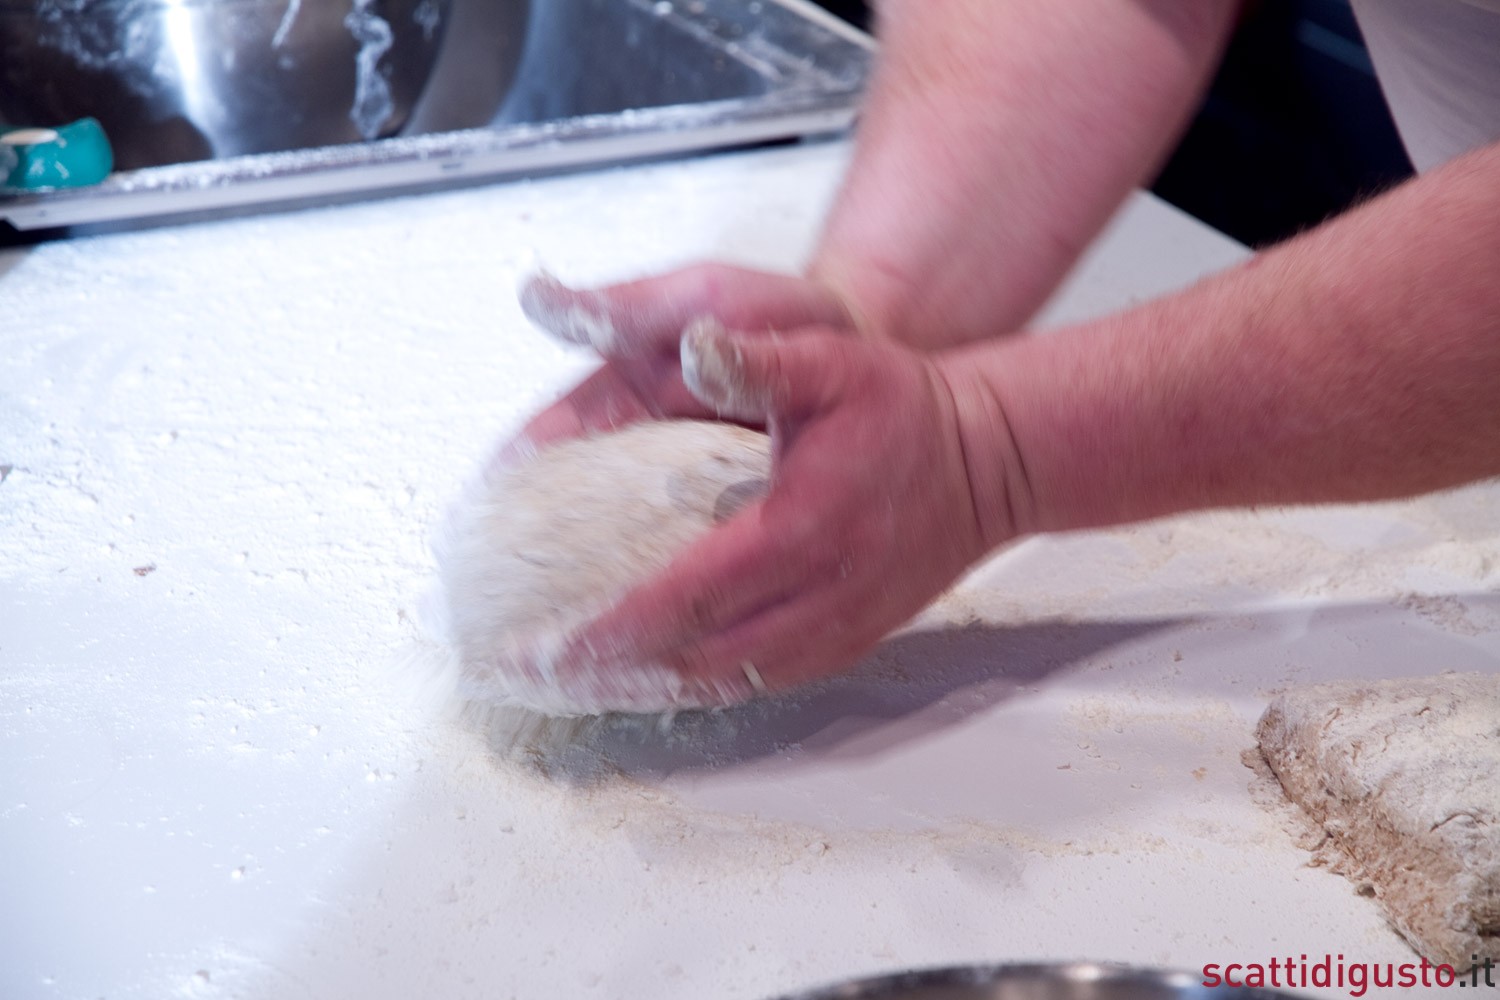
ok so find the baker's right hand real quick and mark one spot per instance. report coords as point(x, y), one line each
point(636, 328)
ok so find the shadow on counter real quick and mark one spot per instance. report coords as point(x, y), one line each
point(912, 686)
point(921, 683)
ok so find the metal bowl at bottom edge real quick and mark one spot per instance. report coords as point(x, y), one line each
point(1079, 981)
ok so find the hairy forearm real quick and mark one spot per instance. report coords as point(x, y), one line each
point(1360, 361)
point(998, 138)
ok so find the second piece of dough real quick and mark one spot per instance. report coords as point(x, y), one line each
point(1404, 776)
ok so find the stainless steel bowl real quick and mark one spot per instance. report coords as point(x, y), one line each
point(1036, 982)
point(180, 80)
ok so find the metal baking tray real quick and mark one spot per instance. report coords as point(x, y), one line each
point(598, 82)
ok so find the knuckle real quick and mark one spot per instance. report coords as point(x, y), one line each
point(707, 682)
point(708, 283)
point(704, 606)
point(825, 560)
point(687, 661)
point(774, 376)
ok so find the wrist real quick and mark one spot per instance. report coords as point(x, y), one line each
point(1000, 487)
point(1110, 421)
point(927, 304)
point(865, 289)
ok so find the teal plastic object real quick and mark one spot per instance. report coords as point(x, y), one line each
point(43, 159)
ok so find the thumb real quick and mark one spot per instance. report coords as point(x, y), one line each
point(753, 379)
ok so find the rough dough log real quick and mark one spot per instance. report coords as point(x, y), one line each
point(540, 549)
point(1405, 778)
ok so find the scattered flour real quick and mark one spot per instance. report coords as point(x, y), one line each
point(204, 763)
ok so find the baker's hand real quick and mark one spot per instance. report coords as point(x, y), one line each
point(636, 328)
point(868, 518)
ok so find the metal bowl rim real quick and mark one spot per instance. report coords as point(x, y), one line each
point(882, 986)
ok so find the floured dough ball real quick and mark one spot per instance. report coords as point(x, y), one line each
point(540, 549)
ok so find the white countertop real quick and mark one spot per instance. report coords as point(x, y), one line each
point(227, 444)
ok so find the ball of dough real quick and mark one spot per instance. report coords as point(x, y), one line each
point(542, 548)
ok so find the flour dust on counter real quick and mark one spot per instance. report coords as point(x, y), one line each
point(218, 792)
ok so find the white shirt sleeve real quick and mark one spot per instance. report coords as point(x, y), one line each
point(1439, 66)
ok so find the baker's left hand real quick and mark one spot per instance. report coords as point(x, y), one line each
point(868, 518)
point(636, 327)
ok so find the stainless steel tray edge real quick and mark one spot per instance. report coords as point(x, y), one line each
point(418, 162)
point(399, 165)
